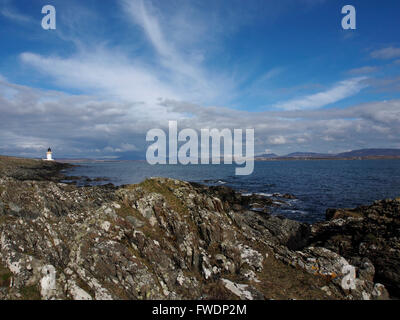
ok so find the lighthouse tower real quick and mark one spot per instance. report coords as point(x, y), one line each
point(49, 155)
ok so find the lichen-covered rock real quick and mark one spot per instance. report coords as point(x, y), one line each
point(160, 239)
point(243, 291)
point(371, 232)
point(343, 277)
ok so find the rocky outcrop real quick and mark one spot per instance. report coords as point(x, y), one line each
point(164, 239)
point(29, 169)
point(367, 235)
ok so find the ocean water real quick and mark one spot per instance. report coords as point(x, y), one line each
point(317, 185)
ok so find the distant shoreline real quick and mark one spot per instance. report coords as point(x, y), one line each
point(333, 158)
point(256, 159)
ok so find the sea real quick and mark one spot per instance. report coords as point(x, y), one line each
point(316, 184)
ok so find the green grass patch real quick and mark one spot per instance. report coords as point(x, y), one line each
point(30, 293)
point(126, 211)
point(281, 282)
point(165, 189)
point(370, 237)
point(5, 276)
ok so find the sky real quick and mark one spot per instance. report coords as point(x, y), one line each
point(114, 69)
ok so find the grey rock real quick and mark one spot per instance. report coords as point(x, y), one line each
point(169, 239)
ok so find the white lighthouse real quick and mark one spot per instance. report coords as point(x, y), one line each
point(49, 155)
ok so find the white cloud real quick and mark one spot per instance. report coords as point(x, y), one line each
point(174, 72)
point(122, 148)
point(84, 126)
point(386, 53)
point(178, 55)
point(277, 140)
point(301, 140)
point(271, 74)
point(104, 73)
point(13, 15)
point(340, 91)
point(363, 70)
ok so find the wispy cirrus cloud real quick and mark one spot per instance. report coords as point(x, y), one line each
point(386, 53)
point(172, 72)
point(104, 73)
point(340, 91)
point(363, 70)
point(180, 55)
point(10, 13)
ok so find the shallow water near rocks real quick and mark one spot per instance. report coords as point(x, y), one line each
point(317, 185)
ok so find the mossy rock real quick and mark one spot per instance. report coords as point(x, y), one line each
point(165, 189)
point(370, 237)
point(30, 293)
point(5, 276)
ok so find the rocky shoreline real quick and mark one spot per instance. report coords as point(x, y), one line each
point(169, 239)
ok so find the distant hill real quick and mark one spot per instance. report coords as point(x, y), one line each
point(268, 155)
point(355, 154)
point(308, 155)
point(370, 153)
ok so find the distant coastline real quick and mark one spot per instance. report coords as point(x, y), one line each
point(361, 154)
point(328, 158)
point(255, 159)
